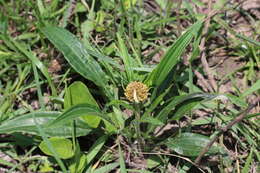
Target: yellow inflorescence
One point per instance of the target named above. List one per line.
(136, 92)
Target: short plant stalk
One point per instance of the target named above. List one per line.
(137, 127)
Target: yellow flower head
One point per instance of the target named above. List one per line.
(136, 92)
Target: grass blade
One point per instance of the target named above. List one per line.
(128, 61)
(39, 91)
(255, 87)
(37, 63)
(249, 159)
(106, 168)
(121, 160)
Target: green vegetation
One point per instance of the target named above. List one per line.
(102, 86)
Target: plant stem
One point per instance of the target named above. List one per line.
(137, 126)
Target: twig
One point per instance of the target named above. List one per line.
(204, 83)
(224, 129)
(202, 49)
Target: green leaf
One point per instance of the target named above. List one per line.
(78, 93)
(78, 166)
(76, 54)
(95, 148)
(26, 123)
(46, 167)
(138, 170)
(50, 147)
(151, 120)
(30, 55)
(117, 103)
(253, 88)
(127, 59)
(156, 102)
(3, 162)
(62, 146)
(78, 162)
(225, 25)
(184, 108)
(106, 168)
(237, 100)
(111, 128)
(180, 103)
(103, 58)
(249, 160)
(179, 106)
(190, 144)
(78, 111)
(172, 56)
(204, 120)
(129, 3)
(121, 160)
(3, 24)
(119, 117)
(153, 161)
(40, 7)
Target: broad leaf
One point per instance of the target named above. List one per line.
(78, 111)
(76, 54)
(182, 104)
(151, 120)
(28, 123)
(190, 144)
(62, 146)
(172, 56)
(156, 102)
(78, 93)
